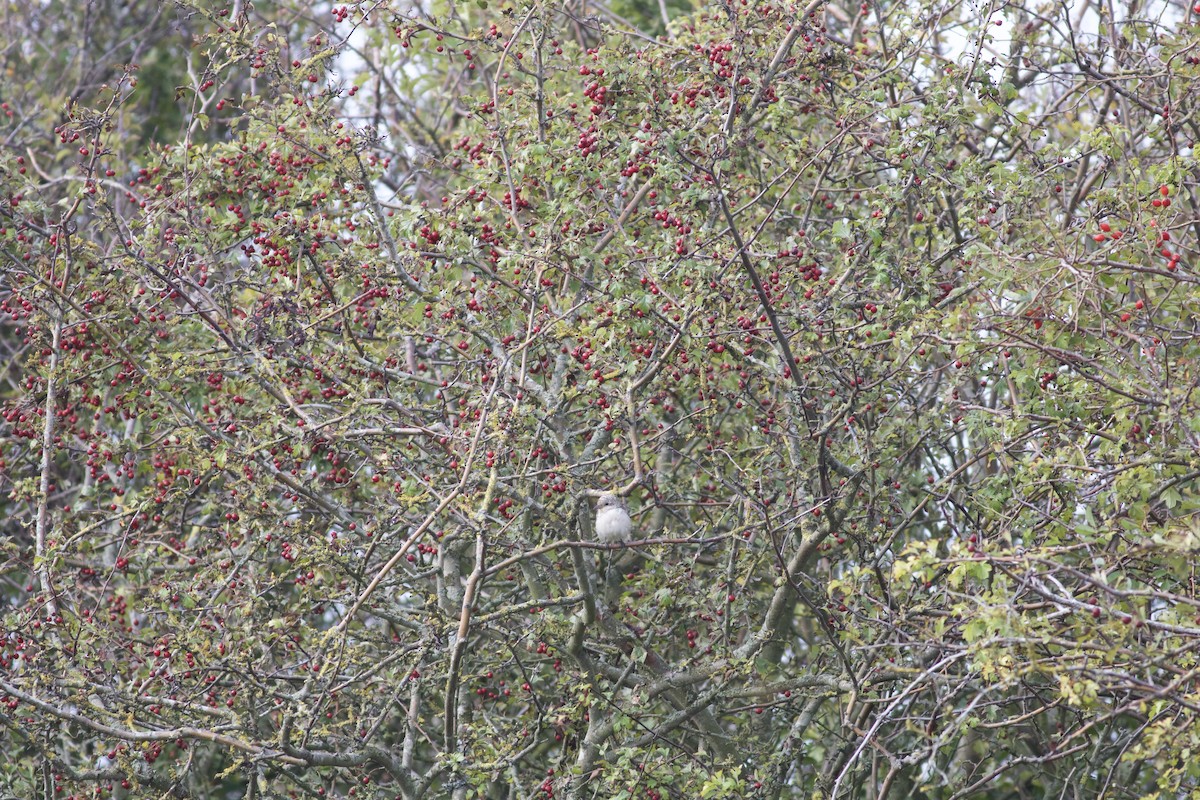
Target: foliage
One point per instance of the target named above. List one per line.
(323, 330)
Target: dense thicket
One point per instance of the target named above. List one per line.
(323, 327)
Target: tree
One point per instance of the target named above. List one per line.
(883, 317)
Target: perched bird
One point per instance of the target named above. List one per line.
(613, 525)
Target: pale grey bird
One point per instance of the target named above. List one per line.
(613, 525)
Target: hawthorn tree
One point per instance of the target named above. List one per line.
(324, 328)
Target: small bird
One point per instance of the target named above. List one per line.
(613, 525)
